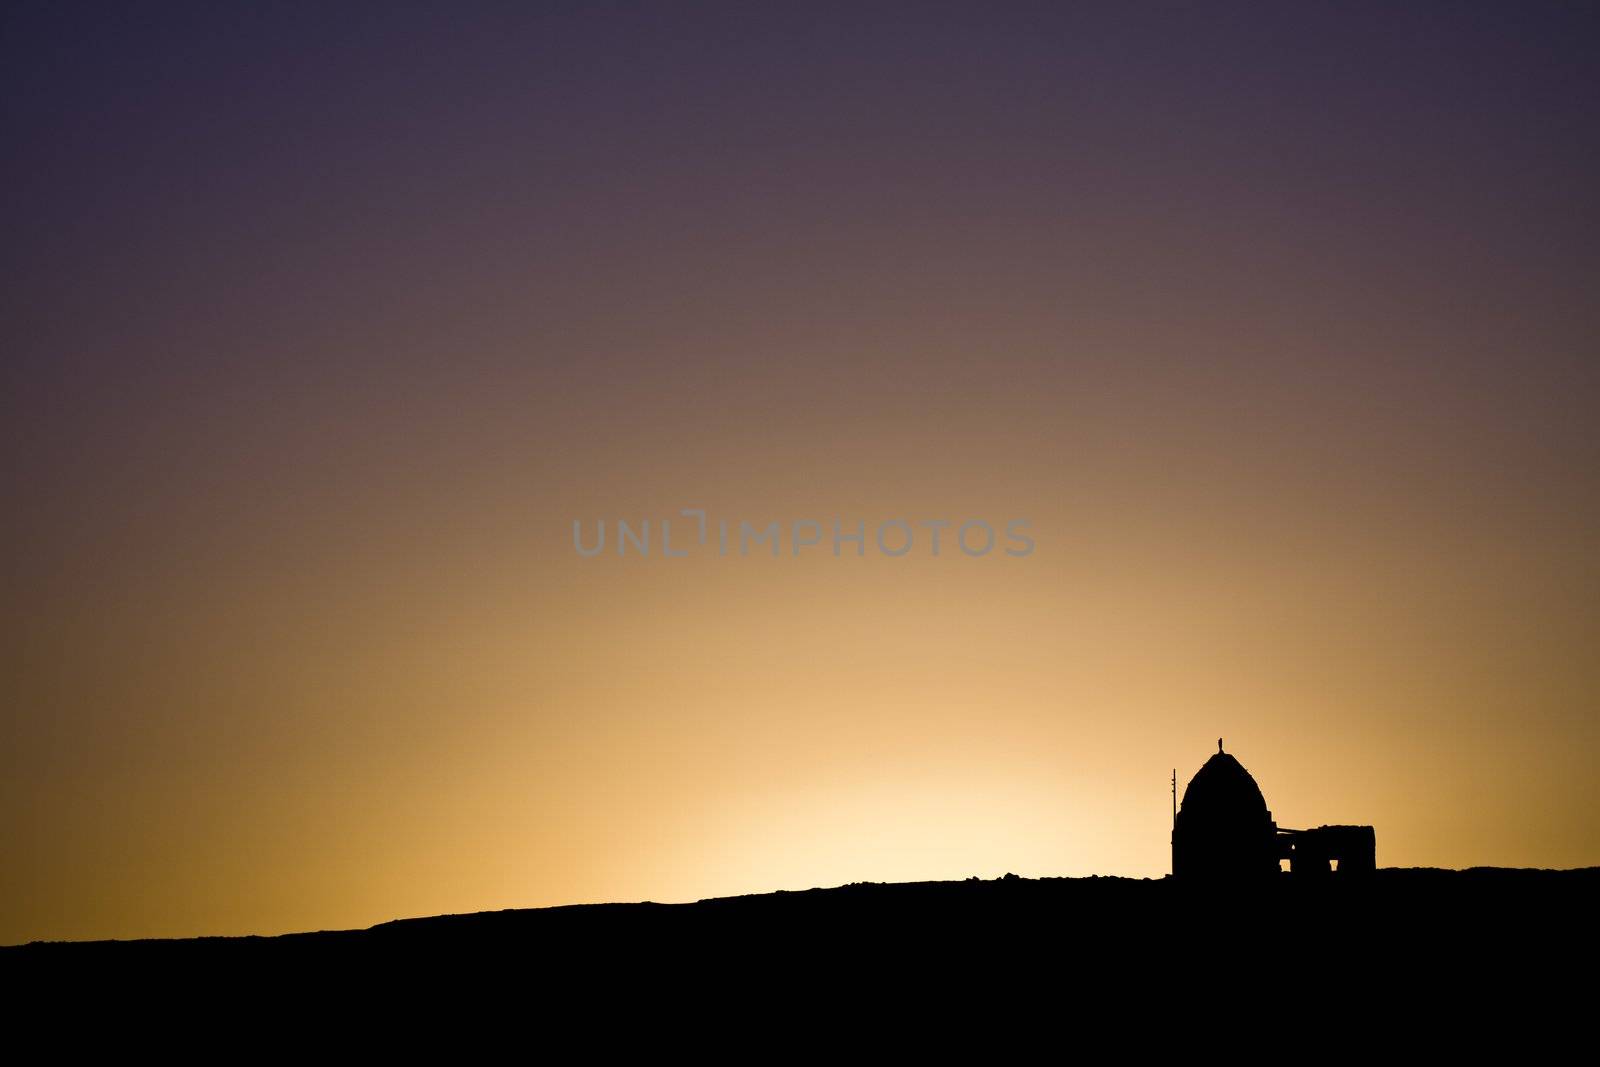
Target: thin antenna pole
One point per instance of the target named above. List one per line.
(1174, 822)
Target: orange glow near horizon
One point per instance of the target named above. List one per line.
(462, 714)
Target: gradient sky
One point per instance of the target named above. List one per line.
(320, 327)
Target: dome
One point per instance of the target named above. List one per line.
(1222, 790)
(1223, 829)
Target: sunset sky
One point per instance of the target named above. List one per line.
(323, 323)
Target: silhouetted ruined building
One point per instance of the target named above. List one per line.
(1224, 831)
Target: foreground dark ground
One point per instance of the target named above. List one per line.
(1426, 916)
(1423, 961)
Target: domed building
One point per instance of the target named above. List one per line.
(1225, 832)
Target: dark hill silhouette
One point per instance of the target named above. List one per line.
(1447, 958)
(1424, 915)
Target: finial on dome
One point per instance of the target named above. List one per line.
(1219, 746)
